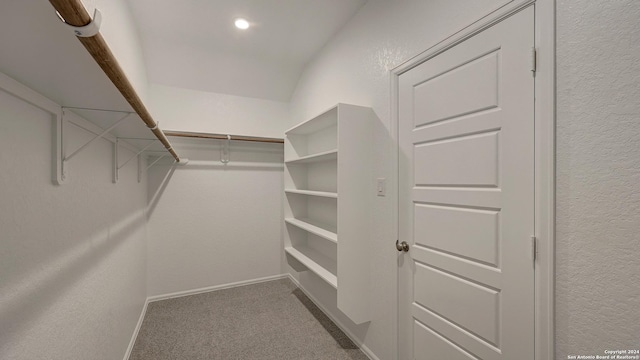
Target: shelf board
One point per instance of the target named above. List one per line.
(323, 156)
(312, 265)
(312, 193)
(314, 227)
(322, 121)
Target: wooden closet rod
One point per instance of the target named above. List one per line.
(223, 137)
(74, 14)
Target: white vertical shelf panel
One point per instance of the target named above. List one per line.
(348, 128)
(355, 191)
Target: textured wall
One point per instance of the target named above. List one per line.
(213, 224)
(598, 176)
(354, 68)
(72, 257)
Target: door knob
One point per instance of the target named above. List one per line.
(402, 246)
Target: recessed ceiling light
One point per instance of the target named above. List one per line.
(242, 24)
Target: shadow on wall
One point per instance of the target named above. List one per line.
(206, 154)
(24, 302)
(241, 154)
(157, 185)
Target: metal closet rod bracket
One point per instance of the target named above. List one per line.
(224, 152)
(116, 164)
(156, 161)
(62, 157)
(89, 30)
(182, 162)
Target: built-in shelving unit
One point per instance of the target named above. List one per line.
(328, 187)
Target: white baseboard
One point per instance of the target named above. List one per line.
(214, 288)
(344, 329)
(136, 331)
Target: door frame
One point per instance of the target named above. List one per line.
(545, 120)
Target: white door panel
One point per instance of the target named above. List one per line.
(476, 161)
(448, 295)
(474, 84)
(478, 240)
(429, 342)
(466, 191)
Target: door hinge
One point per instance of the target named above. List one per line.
(534, 248)
(533, 61)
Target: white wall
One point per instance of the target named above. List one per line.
(212, 224)
(72, 257)
(598, 177)
(201, 111)
(354, 68)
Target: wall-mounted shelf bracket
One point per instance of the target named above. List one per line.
(140, 165)
(22, 92)
(117, 167)
(156, 161)
(59, 176)
(182, 162)
(64, 159)
(74, 13)
(224, 152)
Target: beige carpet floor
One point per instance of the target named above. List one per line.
(270, 320)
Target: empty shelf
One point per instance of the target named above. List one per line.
(323, 156)
(322, 230)
(327, 119)
(312, 193)
(313, 266)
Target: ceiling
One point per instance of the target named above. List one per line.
(194, 44)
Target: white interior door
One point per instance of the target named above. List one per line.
(466, 137)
